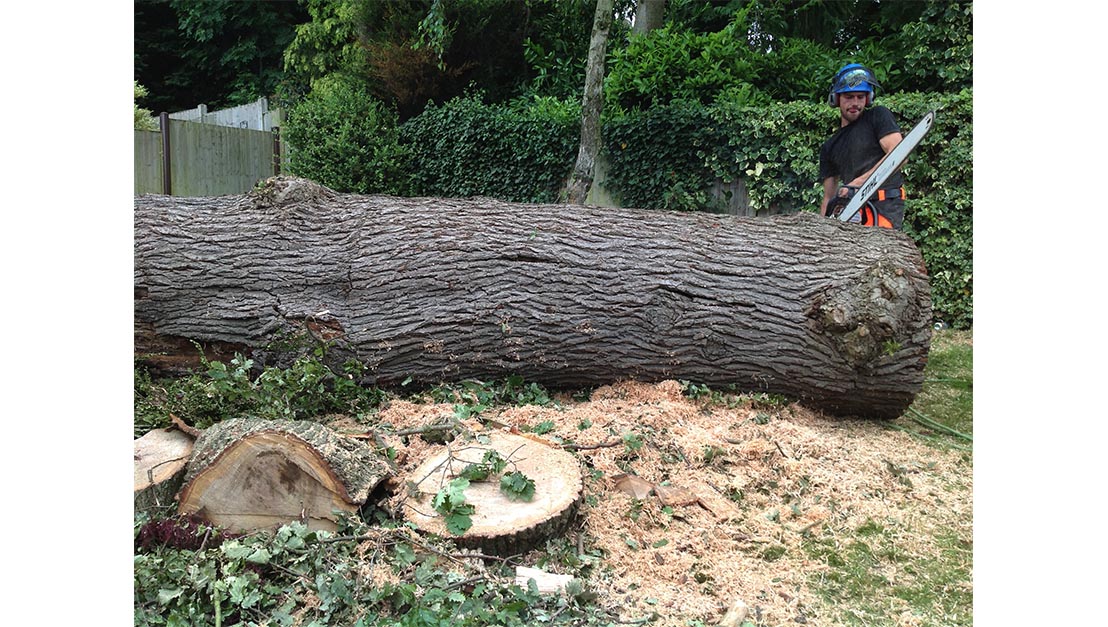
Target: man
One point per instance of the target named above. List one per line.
(866, 134)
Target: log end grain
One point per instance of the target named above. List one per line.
(160, 459)
(500, 525)
(249, 474)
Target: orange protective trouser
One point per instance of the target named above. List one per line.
(868, 212)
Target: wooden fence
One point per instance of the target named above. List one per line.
(195, 159)
(256, 115)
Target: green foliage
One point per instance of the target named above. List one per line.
(521, 152)
(655, 157)
(325, 44)
(478, 395)
(306, 389)
(492, 463)
(433, 31)
(144, 119)
(686, 146)
(936, 51)
(451, 503)
(798, 70)
(669, 64)
(341, 137)
(219, 52)
(517, 486)
(557, 49)
(296, 576)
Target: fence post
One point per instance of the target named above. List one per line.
(276, 130)
(167, 187)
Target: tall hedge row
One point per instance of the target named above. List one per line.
(516, 152)
(669, 157)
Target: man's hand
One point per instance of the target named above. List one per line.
(841, 199)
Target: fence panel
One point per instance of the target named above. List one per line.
(255, 115)
(209, 160)
(148, 162)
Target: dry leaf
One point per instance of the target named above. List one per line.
(633, 485)
(674, 496)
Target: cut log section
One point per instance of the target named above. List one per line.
(249, 474)
(428, 290)
(500, 525)
(160, 459)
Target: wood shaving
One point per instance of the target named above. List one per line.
(763, 480)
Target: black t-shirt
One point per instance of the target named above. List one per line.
(856, 147)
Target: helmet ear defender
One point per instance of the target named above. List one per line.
(833, 96)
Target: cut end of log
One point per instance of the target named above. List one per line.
(248, 474)
(500, 525)
(160, 459)
(874, 314)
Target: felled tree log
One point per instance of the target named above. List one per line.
(248, 474)
(500, 524)
(427, 290)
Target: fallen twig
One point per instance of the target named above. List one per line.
(588, 447)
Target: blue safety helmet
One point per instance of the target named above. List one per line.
(852, 77)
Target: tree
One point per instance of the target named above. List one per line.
(144, 121)
(412, 52)
(218, 52)
(649, 15)
(427, 290)
(591, 103)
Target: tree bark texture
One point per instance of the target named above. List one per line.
(592, 103)
(835, 315)
(649, 15)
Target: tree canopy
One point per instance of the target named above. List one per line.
(409, 53)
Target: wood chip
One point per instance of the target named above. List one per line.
(548, 583)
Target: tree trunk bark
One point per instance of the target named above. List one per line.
(431, 289)
(649, 15)
(591, 105)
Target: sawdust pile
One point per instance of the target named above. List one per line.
(727, 496)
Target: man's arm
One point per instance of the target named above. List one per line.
(830, 188)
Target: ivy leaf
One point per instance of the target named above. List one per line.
(165, 595)
(259, 556)
(517, 486)
(458, 523)
(450, 502)
(236, 550)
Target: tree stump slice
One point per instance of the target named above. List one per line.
(248, 474)
(500, 525)
(160, 459)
